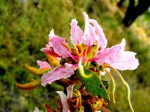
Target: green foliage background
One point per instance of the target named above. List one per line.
(24, 29)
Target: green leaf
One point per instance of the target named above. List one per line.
(43, 109)
(93, 83)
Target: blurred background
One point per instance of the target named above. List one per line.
(24, 29)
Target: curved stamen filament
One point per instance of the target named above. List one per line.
(81, 70)
(79, 49)
(75, 52)
(113, 85)
(125, 83)
(66, 46)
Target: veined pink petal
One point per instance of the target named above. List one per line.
(76, 32)
(63, 98)
(48, 50)
(93, 33)
(117, 57)
(86, 19)
(127, 61)
(56, 43)
(102, 41)
(43, 65)
(89, 37)
(86, 36)
(108, 55)
(57, 73)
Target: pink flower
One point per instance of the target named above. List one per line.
(117, 58)
(58, 48)
(92, 35)
(114, 56)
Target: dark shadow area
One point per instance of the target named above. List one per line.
(133, 11)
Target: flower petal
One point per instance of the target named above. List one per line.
(127, 61)
(63, 98)
(93, 33)
(76, 32)
(57, 73)
(89, 32)
(43, 65)
(117, 57)
(49, 52)
(102, 41)
(57, 44)
(87, 38)
(108, 55)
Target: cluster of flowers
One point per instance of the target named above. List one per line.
(82, 64)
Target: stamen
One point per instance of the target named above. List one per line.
(75, 47)
(73, 51)
(87, 50)
(113, 86)
(79, 48)
(125, 83)
(66, 46)
(81, 70)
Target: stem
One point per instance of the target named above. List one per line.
(99, 74)
(113, 86)
(79, 104)
(125, 83)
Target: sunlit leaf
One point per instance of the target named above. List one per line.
(93, 84)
